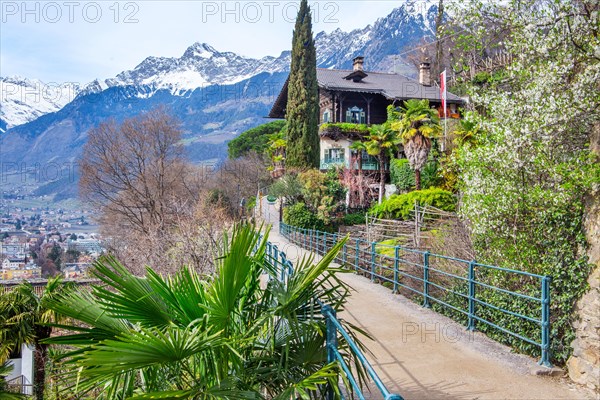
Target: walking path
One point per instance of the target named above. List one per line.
(423, 355)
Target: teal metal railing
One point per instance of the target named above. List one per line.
(334, 329)
(453, 283)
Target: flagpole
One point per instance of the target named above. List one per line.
(443, 96)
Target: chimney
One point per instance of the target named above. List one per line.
(425, 72)
(358, 63)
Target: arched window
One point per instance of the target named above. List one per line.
(355, 115)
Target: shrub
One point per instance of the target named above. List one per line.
(400, 206)
(354, 219)
(404, 177)
(346, 127)
(300, 216)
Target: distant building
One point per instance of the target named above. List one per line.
(12, 249)
(13, 263)
(85, 246)
(19, 269)
(75, 270)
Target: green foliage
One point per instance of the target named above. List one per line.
(303, 96)
(186, 336)
(484, 78)
(322, 192)
(26, 319)
(416, 118)
(358, 218)
(287, 187)
(255, 139)
(251, 203)
(299, 215)
(400, 206)
(404, 177)
(417, 124)
(525, 182)
(346, 127)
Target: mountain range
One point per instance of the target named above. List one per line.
(216, 95)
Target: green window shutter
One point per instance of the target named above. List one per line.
(348, 116)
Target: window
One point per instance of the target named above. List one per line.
(355, 115)
(334, 155)
(326, 116)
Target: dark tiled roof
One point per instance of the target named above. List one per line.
(392, 86)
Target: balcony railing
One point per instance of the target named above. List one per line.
(341, 162)
(329, 162)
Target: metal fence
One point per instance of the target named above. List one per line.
(334, 329)
(19, 385)
(462, 288)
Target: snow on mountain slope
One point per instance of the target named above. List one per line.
(23, 100)
(202, 65)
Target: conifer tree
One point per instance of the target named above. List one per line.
(303, 96)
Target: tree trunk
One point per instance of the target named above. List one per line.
(381, 179)
(417, 179)
(39, 374)
(359, 159)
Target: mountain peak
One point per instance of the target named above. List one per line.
(200, 50)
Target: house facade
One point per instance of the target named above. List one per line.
(361, 98)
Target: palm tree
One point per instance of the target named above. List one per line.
(186, 336)
(418, 125)
(381, 143)
(24, 320)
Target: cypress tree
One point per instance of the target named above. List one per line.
(303, 96)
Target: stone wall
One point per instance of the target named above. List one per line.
(584, 364)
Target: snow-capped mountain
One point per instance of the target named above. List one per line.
(202, 65)
(215, 94)
(23, 100)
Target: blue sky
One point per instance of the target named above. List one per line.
(78, 41)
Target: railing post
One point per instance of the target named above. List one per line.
(373, 261)
(283, 265)
(330, 340)
(545, 360)
(396, 266)
(276, 256)
(317, 241)
(471, 325)
(334, 242)
(324, 243)
(357, 261)
(310, 240)
(426, 280)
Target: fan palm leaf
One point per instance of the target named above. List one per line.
(213, 337)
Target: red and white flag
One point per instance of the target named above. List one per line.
(443, 93)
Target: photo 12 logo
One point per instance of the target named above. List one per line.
(37, 92)
(53, 12)
(266, 11)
